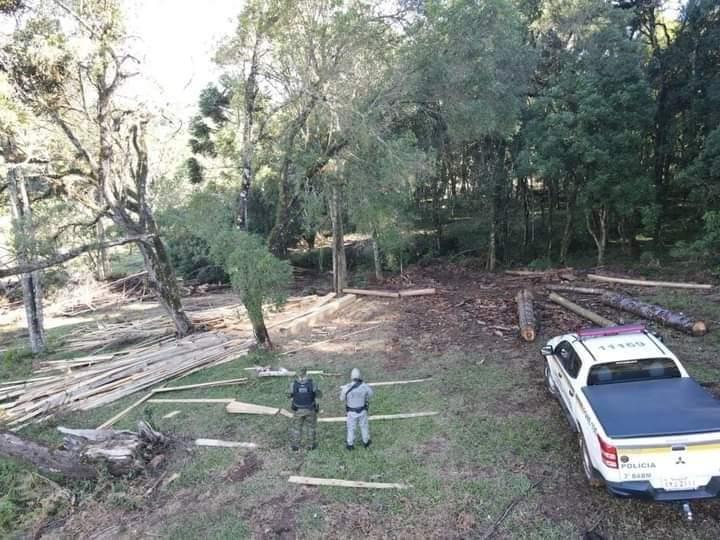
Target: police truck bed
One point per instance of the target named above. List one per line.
(664, 407)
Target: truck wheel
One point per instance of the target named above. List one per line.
(593, 477)
(549, 382)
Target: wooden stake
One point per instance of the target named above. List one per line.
(310, 481)
(191, 400)
(122, 413)
(648, 283)
(212, 384)
(224, 444)
(579, 310)
(381, 416)
(389, 383)
(526, 315)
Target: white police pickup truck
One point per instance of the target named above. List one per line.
(646, 428)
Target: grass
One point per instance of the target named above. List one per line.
(499, 441)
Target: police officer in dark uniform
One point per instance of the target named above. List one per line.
(304, 394)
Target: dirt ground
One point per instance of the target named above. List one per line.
(500, 462)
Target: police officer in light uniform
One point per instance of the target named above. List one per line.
(356, 396)
(304, 393)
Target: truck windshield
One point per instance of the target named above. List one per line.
(633, 370)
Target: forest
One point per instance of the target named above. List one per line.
(442, 144)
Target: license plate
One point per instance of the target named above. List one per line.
(676, 484)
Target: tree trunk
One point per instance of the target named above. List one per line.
(162, 280)
(569, 218)
(376, 257)
(338, 241)
(579, 310)
(262, 337)
(86, 452)
(25, 246)
(526, 315)
(679, 321)
(248, 151)
(598, 219)
(102, 266)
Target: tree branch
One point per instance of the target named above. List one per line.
(60, 258)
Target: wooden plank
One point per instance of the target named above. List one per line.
(122, 413)
(649, 283)
(390, 383)
(191, 400)
(579, 310)
(170, 415)
(311, 481)
(382, 416)
(224, 444)
(211, 384)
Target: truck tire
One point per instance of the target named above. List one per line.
(549, 382)
(594, 478)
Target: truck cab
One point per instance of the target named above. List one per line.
(645, 427)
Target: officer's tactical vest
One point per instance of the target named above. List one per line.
(304, 394)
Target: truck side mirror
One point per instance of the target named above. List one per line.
(547, 350)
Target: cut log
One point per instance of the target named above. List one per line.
(392, 294)
(649, 283)
(526, 315)
(390, 383)
(238, 407)
(382, 416)
(368, 292)
(224, 444)
(212, 384)
(653, 312)
(416, 292)
(579, 310)
(578, 290)
(310, 481)
(85, 452)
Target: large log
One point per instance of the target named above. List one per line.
(579, 310)
(653, 312)
(649, 283)
(86, 452)
(526, 315)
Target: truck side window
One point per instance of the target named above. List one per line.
(569, 359)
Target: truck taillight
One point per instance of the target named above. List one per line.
(609, 453)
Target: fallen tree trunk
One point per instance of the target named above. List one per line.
(86, 452)
(578, 290)
(679, 321)
(648, 283)
(579, 310)
(526, 315)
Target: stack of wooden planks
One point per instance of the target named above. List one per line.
(103, 382)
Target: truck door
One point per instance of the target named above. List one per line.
(567, 368)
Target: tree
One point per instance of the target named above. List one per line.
(75, 89)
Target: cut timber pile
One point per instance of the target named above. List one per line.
(660, 314)
(648, 283)
(85, 452)
(526, 315)
(100, 384)
(579, 310)
(100, 379)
